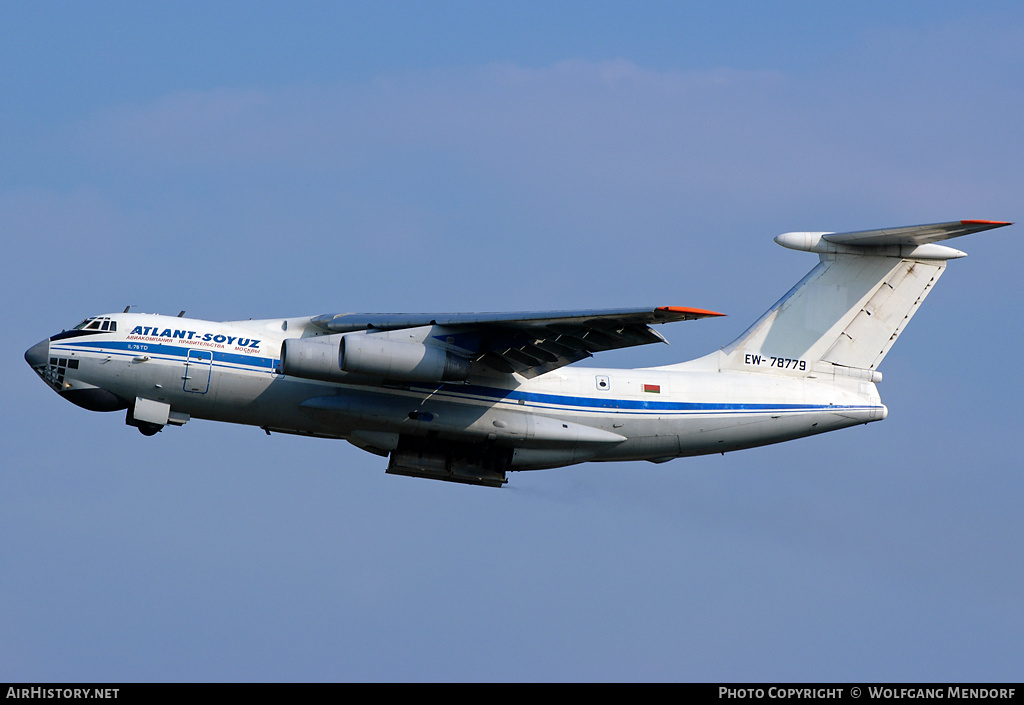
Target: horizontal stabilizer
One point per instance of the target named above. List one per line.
(913, 241)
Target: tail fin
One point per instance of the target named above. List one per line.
(845, 315)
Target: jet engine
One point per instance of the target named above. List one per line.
(332, 357)
(380, 357)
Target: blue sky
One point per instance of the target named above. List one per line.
(243, 160)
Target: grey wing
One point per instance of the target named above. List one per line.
(527, 343)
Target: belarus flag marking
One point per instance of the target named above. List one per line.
(653, 388)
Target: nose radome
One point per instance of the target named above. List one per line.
(39, 354)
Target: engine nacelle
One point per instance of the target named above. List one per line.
(332, 357)
(312, 358)
(377, 356)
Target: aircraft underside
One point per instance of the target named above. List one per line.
(461, 433)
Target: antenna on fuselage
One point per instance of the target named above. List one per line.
(127, 308)
(180, 314)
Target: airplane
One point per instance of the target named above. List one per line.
(470, 397)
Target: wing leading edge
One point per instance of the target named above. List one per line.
(528, 343)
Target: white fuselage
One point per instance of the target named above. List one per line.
(230, 372)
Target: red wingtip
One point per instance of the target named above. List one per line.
(687, 309)
(985, 222)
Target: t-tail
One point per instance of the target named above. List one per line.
(844, 316)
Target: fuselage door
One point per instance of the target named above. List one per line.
(197, 371)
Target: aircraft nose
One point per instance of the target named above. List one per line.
(39, 354)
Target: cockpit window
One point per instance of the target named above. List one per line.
(97, 323)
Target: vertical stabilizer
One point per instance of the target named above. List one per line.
(845, 315)
(848, 311)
